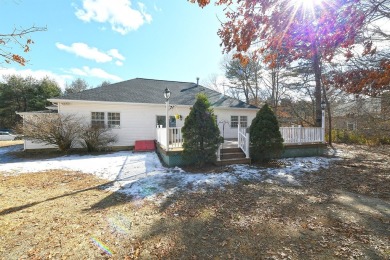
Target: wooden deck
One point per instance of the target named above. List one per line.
(228, 143)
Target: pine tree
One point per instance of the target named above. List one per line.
(265, 137)
(201, 133)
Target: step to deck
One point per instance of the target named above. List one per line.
(232, 155)
(231, 150)
(233, 161)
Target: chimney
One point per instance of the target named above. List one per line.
(197, 81)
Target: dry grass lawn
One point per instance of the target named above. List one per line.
(9, 143)
(338, 213)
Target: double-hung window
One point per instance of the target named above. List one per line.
(97, 119)
(113, 120)
(243, 121)
(235, 120)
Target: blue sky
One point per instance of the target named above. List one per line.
(116, 40)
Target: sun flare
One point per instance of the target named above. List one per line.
(306, 6)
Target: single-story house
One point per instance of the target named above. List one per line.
(135, 108)
(358, 114)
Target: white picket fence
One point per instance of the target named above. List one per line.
(302, 135)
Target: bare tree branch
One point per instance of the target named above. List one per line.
(17, 38)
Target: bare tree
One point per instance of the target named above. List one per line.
(104, 83)
(213, 82)
(53, 129)
(244, 78)
(95, 138)
(76, 86)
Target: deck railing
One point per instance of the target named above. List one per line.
(301, 135)
(175, 138)
(243, 140)
(291, 135)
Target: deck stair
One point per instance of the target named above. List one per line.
(233, 156)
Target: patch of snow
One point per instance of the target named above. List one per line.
(141, 175)
(4, 153)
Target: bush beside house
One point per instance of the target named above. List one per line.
(265, 138)
(201, 133)
(65, 132)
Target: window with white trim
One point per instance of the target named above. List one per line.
(351, 126)
(113, 120)
(97, 119)
(243, 121)
(233, 121)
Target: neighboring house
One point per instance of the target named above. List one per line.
(136, 107)
(358, 114)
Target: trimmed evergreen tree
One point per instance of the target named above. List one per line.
(265, 137)
(201, 133)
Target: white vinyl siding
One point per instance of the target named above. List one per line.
(139, 121)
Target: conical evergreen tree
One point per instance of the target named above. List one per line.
(201, 133)
(265, 137)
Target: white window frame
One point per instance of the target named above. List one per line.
(234, 123)
(97, 121)
(243, 123)
(351, 124)
(113, 122)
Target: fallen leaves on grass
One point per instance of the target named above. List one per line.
(337, 213)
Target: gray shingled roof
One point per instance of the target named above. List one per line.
(151, 91)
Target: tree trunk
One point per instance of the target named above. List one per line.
(329, 115)
(317, 92)
(273, 87)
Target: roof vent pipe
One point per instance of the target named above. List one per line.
(197, 81)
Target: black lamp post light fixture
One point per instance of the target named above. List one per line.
(167, 94)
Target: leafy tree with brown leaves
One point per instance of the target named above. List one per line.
(294, 30)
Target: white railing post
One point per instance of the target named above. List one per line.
(247, 145)
(239, 143)
(299, 134)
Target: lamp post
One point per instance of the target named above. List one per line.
(167, 95)
(323, 105)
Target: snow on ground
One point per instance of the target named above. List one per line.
(142, 175)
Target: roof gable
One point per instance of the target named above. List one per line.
(150, 91)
